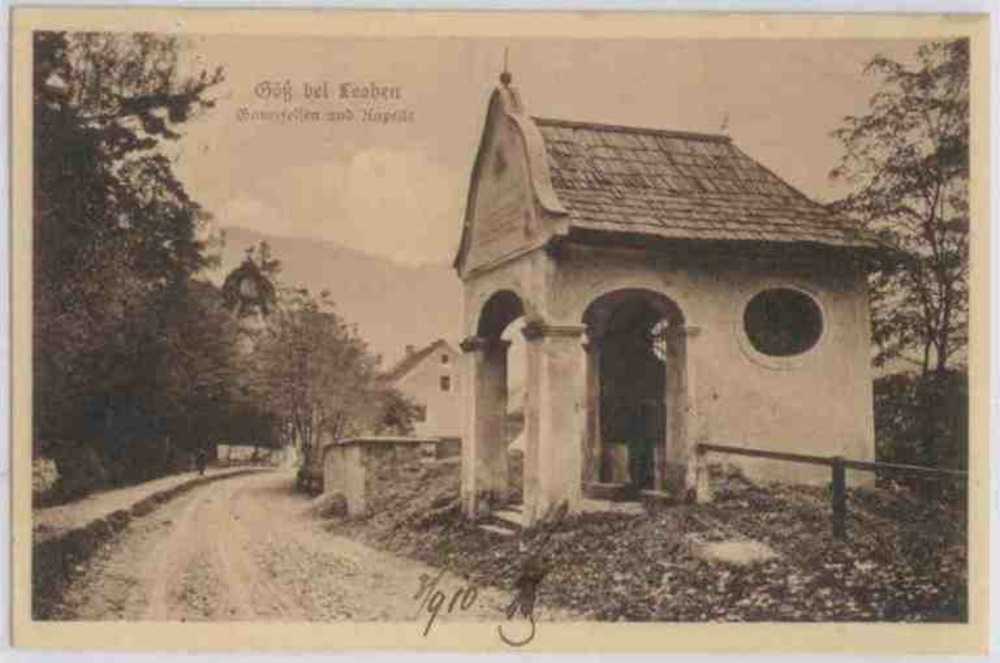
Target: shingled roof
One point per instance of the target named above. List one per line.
(411, 360)
(681, 185)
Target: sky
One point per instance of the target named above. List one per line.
(397, 190)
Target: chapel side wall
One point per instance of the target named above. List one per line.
(818, 403)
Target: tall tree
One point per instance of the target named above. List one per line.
(199, 373)
(315, 373)
(908, 159)
(115, 233)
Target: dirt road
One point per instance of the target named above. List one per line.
(247, 548)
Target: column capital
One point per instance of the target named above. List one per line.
(537, 329)
(482, 344)
(472, 344)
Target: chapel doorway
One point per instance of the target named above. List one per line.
(635, 384)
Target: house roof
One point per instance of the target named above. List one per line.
(412, 360)
(681, 185)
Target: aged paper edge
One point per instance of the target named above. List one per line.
(645, 637)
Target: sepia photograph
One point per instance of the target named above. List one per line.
(504, 330)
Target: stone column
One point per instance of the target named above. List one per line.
(556, 426)
(472, 358)
(492, 467)
(696, 474)
(680, 407)
(593, 448)
(484, 426)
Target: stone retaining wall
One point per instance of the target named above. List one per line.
(359, 468)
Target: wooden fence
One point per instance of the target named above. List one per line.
(838, 466)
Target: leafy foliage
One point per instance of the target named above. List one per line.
(908, 158)
(900, 433)
(115, 247)
(138, 363)
(396, 413)
(318, 378)
(250, 286)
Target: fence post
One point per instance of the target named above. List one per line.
(839, 499)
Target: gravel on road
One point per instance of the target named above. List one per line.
(247, 548)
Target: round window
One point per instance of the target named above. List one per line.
(782, 322)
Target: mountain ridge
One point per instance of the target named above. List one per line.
(391, 304)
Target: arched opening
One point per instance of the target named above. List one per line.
(635, 394)
(500, 399)
(502, 308)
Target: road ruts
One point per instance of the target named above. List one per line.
(247, 549)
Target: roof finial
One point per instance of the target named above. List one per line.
(724, 128)
(505, 77)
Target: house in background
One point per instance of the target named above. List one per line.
(429, 376)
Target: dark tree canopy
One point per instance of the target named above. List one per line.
(139, 360)
(249, 287)
(115, 235)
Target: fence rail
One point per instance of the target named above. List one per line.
(838, 466)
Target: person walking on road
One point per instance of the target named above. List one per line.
(201, 460)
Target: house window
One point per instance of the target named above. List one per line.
(444, 359)
(781, 322)
(421, 414)
(445, 383)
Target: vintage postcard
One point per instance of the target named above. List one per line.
(499, 331)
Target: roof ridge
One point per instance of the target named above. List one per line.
(410, 361)
(671, 133)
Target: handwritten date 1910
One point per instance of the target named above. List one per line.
(433, 599)
(532, 571)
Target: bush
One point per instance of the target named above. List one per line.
(80, 469)
(922, 420)
(44, 477)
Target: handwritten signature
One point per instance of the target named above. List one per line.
(533, 570)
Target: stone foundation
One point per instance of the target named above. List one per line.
(359, 468)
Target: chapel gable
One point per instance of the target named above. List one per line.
(510, 189)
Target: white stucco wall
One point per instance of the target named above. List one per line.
(423, 385)
(819, 402)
